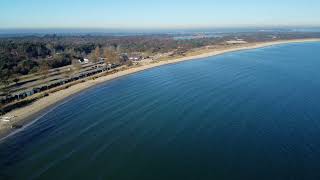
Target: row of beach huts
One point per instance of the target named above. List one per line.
(54, 84)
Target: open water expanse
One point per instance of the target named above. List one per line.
(251, 114)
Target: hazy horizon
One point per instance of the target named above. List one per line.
(143, 14)
(114, 31)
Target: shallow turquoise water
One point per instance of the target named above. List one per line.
(245, 115)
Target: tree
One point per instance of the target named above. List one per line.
(60, 60)
(16, 79)
(25, 66)
(110, 56)
(77, 66)
(51, 48)
(2, 111)
(5, 76)
(44, 70)
(5, 87)
(130, 63)
(96, 54)
(69, 72)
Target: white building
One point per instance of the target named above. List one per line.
(83, 61)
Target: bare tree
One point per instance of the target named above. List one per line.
(5, 87)
(44, 70)
(15, 78)
(69, 72)
(96, 54)
(51, 48)
(77, 67)
(2, 109)
(110, 56)
(5, 77)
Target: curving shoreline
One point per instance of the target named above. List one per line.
(29, 114)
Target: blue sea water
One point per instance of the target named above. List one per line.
(251, 114)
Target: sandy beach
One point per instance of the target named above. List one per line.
(29, 113)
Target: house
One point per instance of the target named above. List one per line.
(83, 61)
(135, 58)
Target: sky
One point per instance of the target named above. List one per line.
(157, 14)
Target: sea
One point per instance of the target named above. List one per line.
(252, 114)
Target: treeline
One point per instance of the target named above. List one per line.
(25, 55)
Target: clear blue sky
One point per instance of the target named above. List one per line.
(157, 14)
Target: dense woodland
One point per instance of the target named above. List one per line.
(21, 56)
(25, 55)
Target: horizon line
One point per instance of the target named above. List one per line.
(170, 27)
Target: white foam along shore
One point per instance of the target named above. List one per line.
(23, 115)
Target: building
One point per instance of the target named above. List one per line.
(83, 61)
(135, 58)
